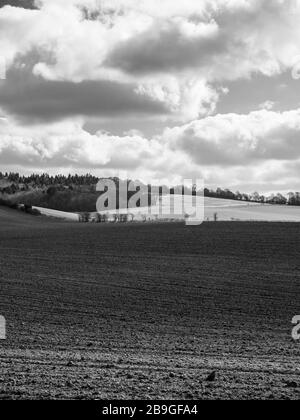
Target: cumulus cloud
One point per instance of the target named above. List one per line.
(156, 43)
(234, 140)
(185, 100)
(168, 46)
(67, 147)
(222, 39)
(262, 147)
(165, 60)
(268, 105)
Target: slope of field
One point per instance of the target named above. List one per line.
(235, 210)
(74, 217)
(15, 219)
(226, 210)
(148, 311)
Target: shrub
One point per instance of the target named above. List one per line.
(33, 212)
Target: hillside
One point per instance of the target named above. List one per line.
(72, 202)
(13, 220)
(228, 210)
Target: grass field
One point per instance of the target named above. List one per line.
(229, 210)
(148, 311)
(226, 210)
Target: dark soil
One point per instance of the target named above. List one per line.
(134, 311)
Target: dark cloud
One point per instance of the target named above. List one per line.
(25, 4)
(32, 99)
(167, 49)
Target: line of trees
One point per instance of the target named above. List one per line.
(292, 199)
(45, 180)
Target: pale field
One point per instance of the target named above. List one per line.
(226, 210)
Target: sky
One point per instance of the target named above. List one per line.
(156, 89)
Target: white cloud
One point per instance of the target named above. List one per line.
(186, 99)
(268, 105)
(67, 145)
(238, 151)
(165, 58)
(235, 140)
(162, 43)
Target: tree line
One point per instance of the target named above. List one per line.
(45, 180)
(292, 198)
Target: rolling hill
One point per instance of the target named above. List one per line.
(242, 211)
(225, 210)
